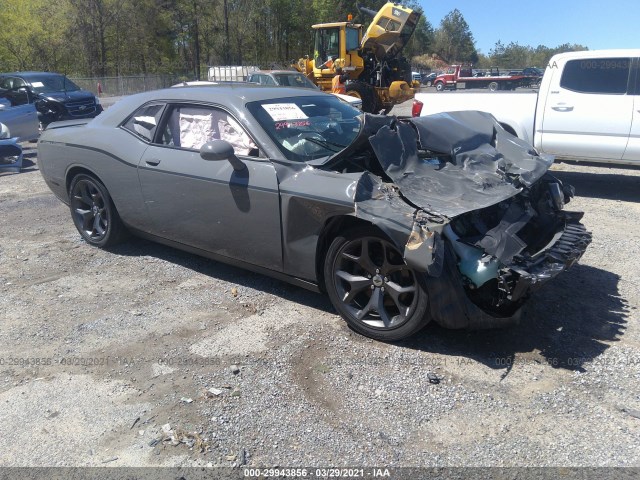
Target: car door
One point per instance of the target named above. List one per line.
(632, 152)
(208, 204)
(17, 110)
(588, 110)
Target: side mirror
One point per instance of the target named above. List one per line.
(221, 150)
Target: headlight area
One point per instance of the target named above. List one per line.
(505, 251)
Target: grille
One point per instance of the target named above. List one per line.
(81, 108)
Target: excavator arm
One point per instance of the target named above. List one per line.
(390, 30)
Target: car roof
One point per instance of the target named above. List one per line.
(31, 74)
(234, 96)
(613, 53)
(279, 72)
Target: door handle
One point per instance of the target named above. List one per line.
(562, 108)
(152, 161)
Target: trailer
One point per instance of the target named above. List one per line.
(230, 73)
(461, 76)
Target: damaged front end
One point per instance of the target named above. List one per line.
(472, 206)
(10, 151)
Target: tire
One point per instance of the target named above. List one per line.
(365, 93)
(94, 213)
(428, 83)
(439, 86)
(372, 287)
(493, 86)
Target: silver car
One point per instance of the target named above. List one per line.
(401, 221)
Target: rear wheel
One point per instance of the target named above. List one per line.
(93, 212)
(493, 86)
(373, 288)
(365, 93)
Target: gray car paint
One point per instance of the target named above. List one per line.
(216, 212)
(21, 120)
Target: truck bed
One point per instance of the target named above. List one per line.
(515, 111)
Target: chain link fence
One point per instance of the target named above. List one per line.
(119, 86)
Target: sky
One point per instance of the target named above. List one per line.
(595, 24)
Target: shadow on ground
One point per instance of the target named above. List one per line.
(221, 271)
(568, 322)
(559, 327)
(611, 186)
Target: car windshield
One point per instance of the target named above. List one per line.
(293, 80)
(308, 128)
(52, 83)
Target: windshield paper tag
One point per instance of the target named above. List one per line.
(37, 84)
(284, 111)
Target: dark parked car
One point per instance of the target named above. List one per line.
(428, 79)
(54, 95)
(400, 221)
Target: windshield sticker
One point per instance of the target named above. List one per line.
(37, 84)
(297, 123)
(284, 111)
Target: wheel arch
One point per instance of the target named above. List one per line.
(509, 129)
(76, 170)
(515, 128)
(331, 229)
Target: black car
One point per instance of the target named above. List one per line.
(54, 95)
(428, 79)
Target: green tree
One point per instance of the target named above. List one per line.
(454, 41)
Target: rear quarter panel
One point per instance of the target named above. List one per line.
(109, 153)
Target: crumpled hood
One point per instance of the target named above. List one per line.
(470, 162)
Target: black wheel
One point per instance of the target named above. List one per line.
(372, 287)
(493, 86)
(365, 93)
(440, 86)
(428, 84)
(93, 212)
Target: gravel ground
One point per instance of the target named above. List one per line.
(144, 355)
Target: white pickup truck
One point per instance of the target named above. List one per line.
(587, 108)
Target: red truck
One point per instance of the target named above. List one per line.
(461, 76)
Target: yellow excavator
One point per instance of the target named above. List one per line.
(377, 73)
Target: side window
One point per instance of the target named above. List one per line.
(596, 75)
(6, 83)
(352, 39)
(144, 122)
(269, 81)
(190, 127)
(19, 97)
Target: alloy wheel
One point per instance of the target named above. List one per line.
(90, 212)
(374, 284)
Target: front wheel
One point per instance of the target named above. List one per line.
(373, 288)
(93, 212)
(440, 87)
(493, 86)
(364, 92)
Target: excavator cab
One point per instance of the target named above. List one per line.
(336, 45)
(327, 47)
(379, 75)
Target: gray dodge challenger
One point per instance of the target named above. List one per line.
(400, 221)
